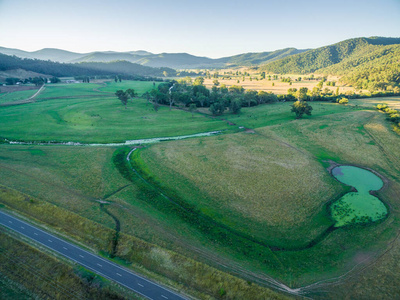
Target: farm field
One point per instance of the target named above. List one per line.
(253, 202)
(97, 118)
(275, 86)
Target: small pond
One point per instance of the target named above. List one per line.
(357, 207)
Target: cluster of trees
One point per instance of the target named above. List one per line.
(123, 96)
(185, 92)
(35, 80)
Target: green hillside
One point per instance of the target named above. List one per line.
(376, 70)
(321, 58)
(251, 59)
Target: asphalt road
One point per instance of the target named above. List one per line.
(90, 261)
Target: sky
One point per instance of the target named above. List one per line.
(215, 28)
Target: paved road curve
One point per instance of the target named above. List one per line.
(93, 262)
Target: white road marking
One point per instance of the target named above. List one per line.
(65, 248)
(81, 255)
(164, 296)
(119, 274)
(99, 265)
(22, 227)
(50, 241)
(10, 221)
(140, 285)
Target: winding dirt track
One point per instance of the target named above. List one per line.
(27, 100)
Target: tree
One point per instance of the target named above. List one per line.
(264, 97)
(217, 108)
(55, 80)
(192, 108)
(235, 106)
(122, 96)
(131, 93)
(250, 97)
(216, 82)
(315, 93)
(300, 108)
(343, 100)
(302, 94)
(198, 81)
(147, 96)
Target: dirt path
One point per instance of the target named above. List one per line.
(31, 99)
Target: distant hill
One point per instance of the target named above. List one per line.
(170, 60)
(254, 59)
(324, 57)
(51, 68)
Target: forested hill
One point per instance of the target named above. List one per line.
(375, 70)
(321, 58)
(79, 69)
(254, 59)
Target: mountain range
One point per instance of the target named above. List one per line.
(144, 58)
(362, 62)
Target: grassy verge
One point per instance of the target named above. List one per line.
(25, 272)
(179, 271)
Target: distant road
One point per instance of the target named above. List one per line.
(90, 261)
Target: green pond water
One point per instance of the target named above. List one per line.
(357, 207)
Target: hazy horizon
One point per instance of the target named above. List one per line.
(213, 29)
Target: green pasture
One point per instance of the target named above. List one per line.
(140, 87)
(279, 113)
(61, 90)
(252, 201)
(96, 119)
(15, 96)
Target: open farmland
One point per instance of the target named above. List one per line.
(275, 86)
(81, 113)
(252, 201)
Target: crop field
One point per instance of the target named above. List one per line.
(254, 203)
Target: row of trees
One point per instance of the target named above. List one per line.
(35, 80)
(393, 115)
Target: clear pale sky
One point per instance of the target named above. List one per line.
(207, 28)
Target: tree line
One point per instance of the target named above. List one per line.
(186, 92)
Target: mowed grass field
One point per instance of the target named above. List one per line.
(78, 113)
(266, 192)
